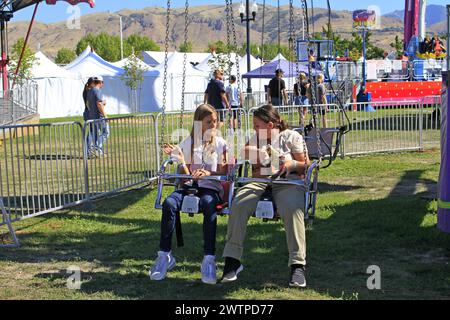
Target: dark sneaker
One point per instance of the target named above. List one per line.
(231, 270)
(298, 278)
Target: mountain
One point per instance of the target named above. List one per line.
(207, 24)
(435, 14)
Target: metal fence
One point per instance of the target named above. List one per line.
(384, 127)
(18, 103)
(41, 168)
(119, 153)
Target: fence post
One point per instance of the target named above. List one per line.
(88, 205)
(421, 114)
(7, 221)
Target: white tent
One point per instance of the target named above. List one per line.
(79, 58)
(196, 82)
(278, 57)
(115, 91)
(121, 64)
(154, 58)
(59, 90)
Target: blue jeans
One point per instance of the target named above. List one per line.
(98, 134)
(209, 199)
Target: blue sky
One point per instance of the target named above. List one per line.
(49, 14)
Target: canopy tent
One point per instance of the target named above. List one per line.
(154, 58)
(59, 90)
(196, 82)
(21, 4)
(82, 55)
(278, 58)
(115, 91)
(121, 64)
(290, 70)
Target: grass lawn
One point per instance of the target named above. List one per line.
(373, 210)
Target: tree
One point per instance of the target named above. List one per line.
(220, 61)
(397, 45)
(108, 46)
(186, 47)
(138, 43)
(65, 56)
(133, 77)
(28, 60)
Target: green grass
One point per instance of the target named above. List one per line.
(372, 210)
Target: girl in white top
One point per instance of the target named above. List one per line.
(201, 154)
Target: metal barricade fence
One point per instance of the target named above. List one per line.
(41, 168)
(384, 127)
(432, 106)
(120, 153)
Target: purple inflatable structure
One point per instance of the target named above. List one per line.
(444, 176)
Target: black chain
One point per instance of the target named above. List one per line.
(183, 85)
(166, 62)
(313, 84)
(227, 10)
(236, 56)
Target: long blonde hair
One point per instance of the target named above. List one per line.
(203, 111)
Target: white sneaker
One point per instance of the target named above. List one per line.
(209, 270)
(163, 263)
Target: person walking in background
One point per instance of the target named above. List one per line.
(300, 93)
(276, 91)
(99, 130)
(235, 98)
(88, 86)
(215, 94)
(322, 98)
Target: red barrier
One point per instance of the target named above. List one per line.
(403, 91)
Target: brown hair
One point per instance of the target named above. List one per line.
(268, 113)
(201, 113)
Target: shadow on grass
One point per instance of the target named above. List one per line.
(392, 233)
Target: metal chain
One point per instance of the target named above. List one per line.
(183, 85)
(238, 71)
(227, 10)
(166, 61)
(313, 84)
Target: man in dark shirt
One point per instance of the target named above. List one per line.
(215, 94)
(276, 91)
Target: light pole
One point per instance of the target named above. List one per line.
(244, 12)
(121, 38)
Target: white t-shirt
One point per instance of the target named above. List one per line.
(209, 158)
(233, 91)
(286, 144)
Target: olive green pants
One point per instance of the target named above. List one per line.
(290, 203)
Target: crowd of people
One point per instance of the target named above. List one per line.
(433, 46)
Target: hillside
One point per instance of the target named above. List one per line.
(208, 24)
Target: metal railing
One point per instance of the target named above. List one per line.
(119, 153)
(18, 103)
(41, 168)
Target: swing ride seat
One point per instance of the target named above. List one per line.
(227, 183)
(330, 143)
(309, 186)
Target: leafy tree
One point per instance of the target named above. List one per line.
(65, 56)
(28, 60)
(133, 77)
(220, 47)
(186, 47)
(397, 45)
(108, 46)
(138, 43)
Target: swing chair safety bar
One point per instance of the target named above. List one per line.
(301, 183)
(162, 176)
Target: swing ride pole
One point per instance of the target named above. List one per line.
(444, 176)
